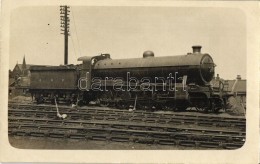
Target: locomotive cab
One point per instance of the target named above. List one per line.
(88, 63)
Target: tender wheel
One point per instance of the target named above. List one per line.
(122, 105)
(39, 100)
(144, 105)
(52, 101)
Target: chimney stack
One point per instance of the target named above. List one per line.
(239, 77)
(196, 49)
(217, 77)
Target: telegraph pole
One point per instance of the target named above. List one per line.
(64, 18)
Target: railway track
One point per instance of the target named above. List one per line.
(126, 133)
(124, 126)
(126, 116)
(132, 125)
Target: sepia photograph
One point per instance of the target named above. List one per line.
(127, 77)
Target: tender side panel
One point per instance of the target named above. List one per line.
(54, 79)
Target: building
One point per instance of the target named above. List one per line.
(19, 79)
(21, 70)
(234, 90)
(236, 87)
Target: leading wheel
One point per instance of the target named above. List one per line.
(105, 99)
(169, 106)
(104, 103)
(180, 108)
(201, 109)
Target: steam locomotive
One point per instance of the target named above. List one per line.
(169, 82)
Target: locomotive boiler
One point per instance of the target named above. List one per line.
(198, 67)
(171, 82)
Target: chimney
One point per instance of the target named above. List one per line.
(239, 77)
(196, 49)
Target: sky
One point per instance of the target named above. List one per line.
(126, 32)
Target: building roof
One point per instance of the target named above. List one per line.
(231, 86)
(215, 82)
(27, 66)
(240, 86)
(53, 68)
